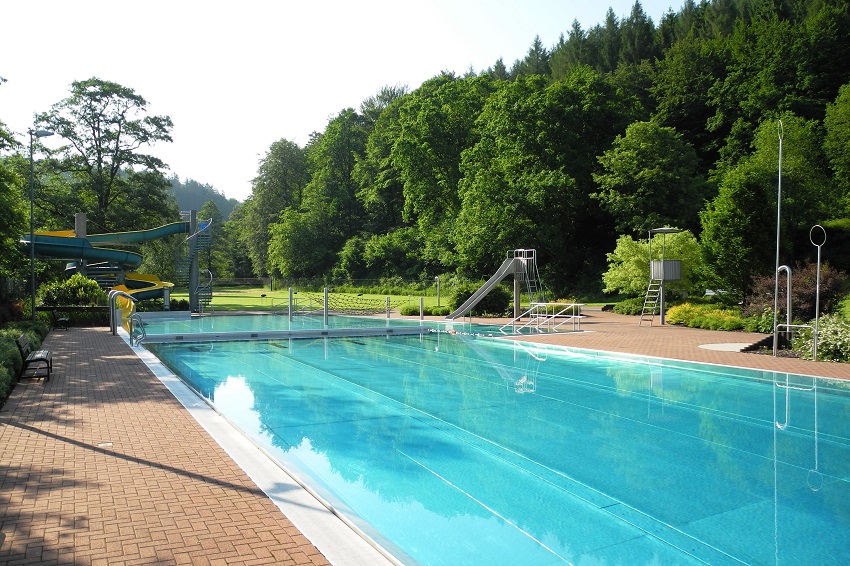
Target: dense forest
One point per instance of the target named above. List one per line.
(614, 130)
(193, 195)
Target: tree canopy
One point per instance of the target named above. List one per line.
(624, 126)
(103, 127)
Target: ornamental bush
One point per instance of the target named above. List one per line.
(413, 310)
(804, 293)
(76, 290)
(762, 323)
(633, 305)
(709, 317)
(833, 340)
(10, 356)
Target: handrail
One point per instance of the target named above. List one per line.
(539, 317)
(788, 386)
(113, 295)
(137, 322)
(207, 287)
(787, 270)
(199, 230)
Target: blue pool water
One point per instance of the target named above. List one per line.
(451, 449)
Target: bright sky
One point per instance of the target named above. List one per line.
(235, 77)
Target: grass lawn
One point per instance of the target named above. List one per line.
(261, 299)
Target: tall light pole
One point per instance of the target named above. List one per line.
(33, 134)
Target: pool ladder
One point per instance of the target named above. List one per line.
(137, 329)
(814, 479)
(788, 387)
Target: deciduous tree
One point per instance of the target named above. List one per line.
(739, 224)
(649, 179)
(105, 126)
(279, 184)
(628, 264)
(437, 124)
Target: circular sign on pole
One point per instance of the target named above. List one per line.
(820, 237)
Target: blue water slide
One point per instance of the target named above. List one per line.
(71, 249)
(139, 236)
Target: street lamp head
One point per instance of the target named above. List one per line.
(41, 133)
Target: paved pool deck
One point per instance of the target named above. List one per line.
(111, 462)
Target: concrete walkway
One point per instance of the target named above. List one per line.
(103, 465)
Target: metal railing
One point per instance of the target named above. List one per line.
(547, 317)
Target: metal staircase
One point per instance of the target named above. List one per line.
(530, 275)
(186, 261)
(181, 267)
(204, 293)
(651, 301)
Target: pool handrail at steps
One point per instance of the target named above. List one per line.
(543, 316)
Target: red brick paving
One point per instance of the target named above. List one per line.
(612, 332)
(102, 465)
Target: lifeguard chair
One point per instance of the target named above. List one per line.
(660, 271)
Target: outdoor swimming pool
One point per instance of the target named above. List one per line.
(451, 449)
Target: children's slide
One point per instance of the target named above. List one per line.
(508, 267)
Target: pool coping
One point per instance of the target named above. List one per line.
(282, 334)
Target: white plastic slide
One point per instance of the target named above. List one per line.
(509, 267)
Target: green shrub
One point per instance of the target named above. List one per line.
(7, 380)
(708, 317)
(684, 313)
(76, 290)
(629, 306)
(179, 305)
(762, 323)
(833, 340)
(409, 310)
(413, 310)
(9, 354)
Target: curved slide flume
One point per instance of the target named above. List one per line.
(64, 245)
(72, 249)
(139, 236)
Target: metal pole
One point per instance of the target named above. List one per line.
(437, 279)
(33, 134)
(663, 252)
(817, 311)
(326, 307)
(817, 290)
(290, 306)
(194, 282)
(32, 242)
(778, 217)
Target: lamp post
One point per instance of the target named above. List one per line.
(33, 134)
(437, 279)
